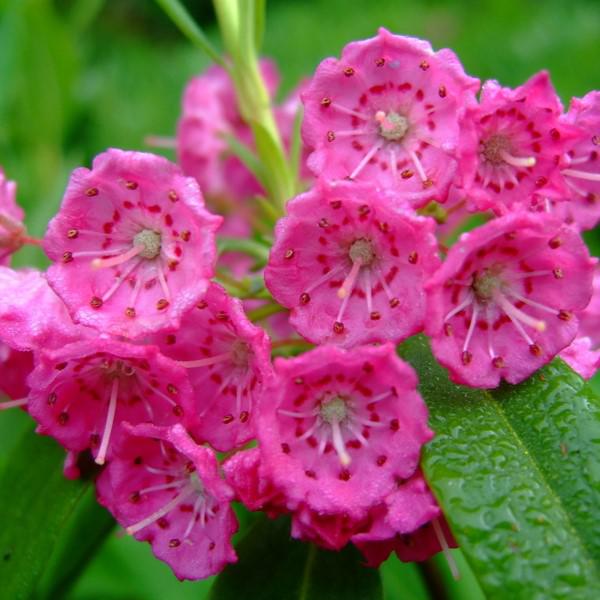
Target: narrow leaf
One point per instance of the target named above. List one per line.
(36, 504)
(272, 566)
(497, 479)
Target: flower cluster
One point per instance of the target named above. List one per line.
(133, 347)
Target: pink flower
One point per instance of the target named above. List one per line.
(165, 489)
(581, 168)
(387, 112)
(228, 360)
(503, 303)
(589, 317)
(12, 228)
(581, 357)
(351, 266)
(337, 428)
(406, 510)
(133, 246)
(15, 367)
(81, 394)
(32, 316)
(210, 113)
(511, 144)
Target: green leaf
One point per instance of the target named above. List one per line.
(517, 473)
(37, 504)
(272, 566)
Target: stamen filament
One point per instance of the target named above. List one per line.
(418, 165)
(338, 443)
(110, 419)
(533, 303)
(348, 284)
(325, 278)
(297, 415)
(466, 302)
(368, 290)
(472, 324)
(161, 512)
(348, 111)
(192, 520)
(581, 174)
(439, 534)
(163, 280)
(13, 403)
(367, 157)
(514, 312)
(205, 362)
(117, 284)
(163, 486)
(517, 161)
(103, 263)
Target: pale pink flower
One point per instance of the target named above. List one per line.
(12, 229)
(387, 112)
(133, 246)
(504, 302)
(581, 164)
(210, 113)
(351, 266)
(511, 144)
(228, 360)
(166, 489)
(581, 357)
(82, 393)
(337, 429)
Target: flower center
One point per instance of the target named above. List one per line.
(494, 147)
(333, 410)
(361, 251)
(392, 126)
(486, 283)
(151, 242)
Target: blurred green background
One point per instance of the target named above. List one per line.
(79, 76)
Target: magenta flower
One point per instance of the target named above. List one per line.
(12, 228)
(15, 367)
(133, 246)
(351, 266)
(166, 490)
(405, 511)
(504, 302)
(581, 357)
(82, 393)
(581, 168)
(228, 360)
(210, 113)
(511, 144)
(338, 428)
(387, 112)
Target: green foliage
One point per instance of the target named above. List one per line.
(517, 472)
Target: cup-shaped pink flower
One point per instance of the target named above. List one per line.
(12, 228)
(581, 163)
(503, 303)
(228, 360)
(351, 266)
(210, 113)
(338, 428)
(82, 393)
(166, 489)
(511, 144)
(387, 112)
(133, 246)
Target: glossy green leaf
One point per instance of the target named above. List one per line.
(37, 504)
(517, 473)
(272, 566)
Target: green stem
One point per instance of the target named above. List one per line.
(246, 246)
(182, 19)
(263, 312)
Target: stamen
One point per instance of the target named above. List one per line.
(163, 281)
(86, 253)
(199, 501)
(13, 403)
(205, 362)
(110, 419)
(342, 310)
(308, 432)
(103, 263)
(393, 162)
(350, 281)
(358, 434)
(581, 174)
(297, 415)
(528, 274)
(348, 111)
(533, 303)
(368, 156)
(368, 290)
(117, 284)
(380, 397)
(490, 323)
(514, 312)
(163, 486)
(238, 398)
(338, 443)
(325, 278)
(517, 161)
(351, 132)
(439, 534)
(466, 302)
(472, 324)
(579, 160)
(418, 165)
(161, 512)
